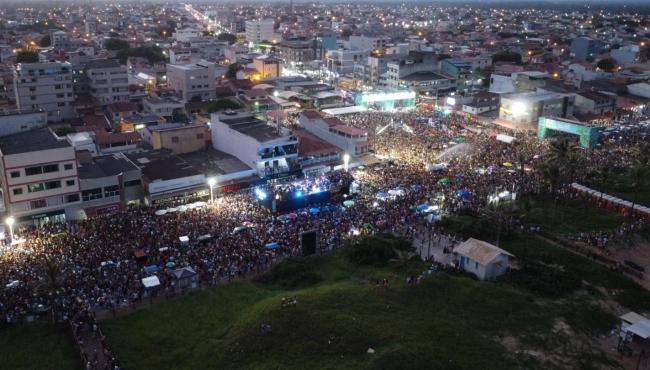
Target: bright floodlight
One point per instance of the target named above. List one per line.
(261, 195)
(212, 182)
(451, 101)
(346, 161)
(276, 93)
(10, 220)
(518, 108)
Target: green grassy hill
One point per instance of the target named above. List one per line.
(448, 321)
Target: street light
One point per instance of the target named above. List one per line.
(212, 182)
(346, 161)
(10, 222)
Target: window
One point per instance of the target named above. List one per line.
(15, 174)
(175, 139)
(132, 183)
(71, 198)
(30, 171)
(50, 168)
(17, 191)
(67, 166)
(33, 188)
(40, 203)
(69, 183)
(52, 185)
(111, 191)
(91, 194)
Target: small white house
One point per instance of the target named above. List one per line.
(482, 259)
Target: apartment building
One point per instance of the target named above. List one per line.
(46, 86)
(108, 81)
(271, 151)
(260, 30)
(195, 80)
(38, 176)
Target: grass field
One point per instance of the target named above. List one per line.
(570, 217)
(447, 322)
(618, 185)
(38, 346)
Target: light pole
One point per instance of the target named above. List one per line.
(10, 222)
(346, 161)
(212, 182)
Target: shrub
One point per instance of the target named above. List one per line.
(377, 249)
(291, 274)
(544, 280)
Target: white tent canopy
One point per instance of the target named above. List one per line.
(344, 110)
(151, 281)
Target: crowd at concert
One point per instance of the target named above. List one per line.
(98, 264)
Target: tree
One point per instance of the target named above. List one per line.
(54, 277)
(152, 53)
(227, 37)
(552, 174)
(232, 70)
(606, 65)
(25, 56)
(45, 41)
(559, 151)
(116, 44)
(507, 56)
(638, 176)
(223, 104)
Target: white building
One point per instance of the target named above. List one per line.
(268, 149)
(46, 86)
(192, 80)
(39, 176)
(108, 81)
(342, 61)
(17, 121)
(164, 107)
(524, 109)
(482, 259)
(186, 34)
(332, 130)
(368, 42)
(268, 67)
(260, 30)
(625, 54)
(60, 40)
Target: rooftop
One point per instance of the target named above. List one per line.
(212, 162)
(479, 251)
(31, 141)
(423, 76)
(103, 63)
(104, 166)
(247, 124)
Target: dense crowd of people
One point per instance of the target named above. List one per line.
(98, 264)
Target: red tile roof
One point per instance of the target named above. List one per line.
(309, 144)
(311, 114)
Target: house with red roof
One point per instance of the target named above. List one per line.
(350, 139)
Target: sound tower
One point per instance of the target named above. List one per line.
(309, 242)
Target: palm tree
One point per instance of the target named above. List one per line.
(638, 176)
(559, 150)
(643, 153)
(553, 176)
(54, 277)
